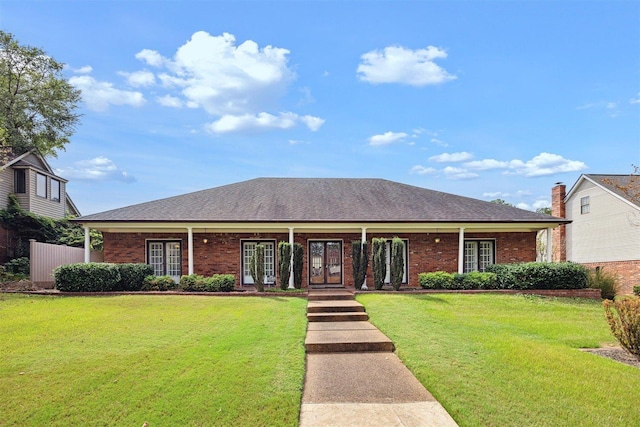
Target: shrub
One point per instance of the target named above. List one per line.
(436, 280)
(379, 261)
(397, 262)
(284, 264)
(540, 275)
(605, 281)
(158, 283)
(89, 277)
(18, 266)
(132, 276)
(256, 266)
(624, 320)
(298, 253)
(636, 290)
(360, 262)
(480, 280)
(215, 283)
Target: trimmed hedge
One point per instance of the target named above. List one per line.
(540, 275)
(531, 275)
(158, 283)
(132, 276)
(444, 280)
(215, 283)
(636, 290)
(90, 277)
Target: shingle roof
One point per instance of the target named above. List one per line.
(617, 183)
(318, 200)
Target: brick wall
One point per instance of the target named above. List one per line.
(628, 273)
(221, 254)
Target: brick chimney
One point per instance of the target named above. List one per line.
(559, 234)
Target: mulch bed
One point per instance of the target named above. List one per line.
(615, 353)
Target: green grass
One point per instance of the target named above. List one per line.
(498, 360)
(167, 360)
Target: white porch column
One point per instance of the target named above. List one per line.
(87, 246)
(190, 250)
(291, 264)
(461, 251)
(549, 245)
(362, 240)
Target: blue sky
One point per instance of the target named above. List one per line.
(477, 98)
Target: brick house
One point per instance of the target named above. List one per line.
(216, 230)
(37, 189)
(604, 227)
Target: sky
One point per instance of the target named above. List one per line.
(484, 99)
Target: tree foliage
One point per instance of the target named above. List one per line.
(397, 262)
(379, 262)
(360, 262)
(27, 225)
(284, 264)
(37, 104)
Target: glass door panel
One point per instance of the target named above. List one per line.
(325, 263)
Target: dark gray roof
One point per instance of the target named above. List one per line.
(625, 186)
(318, 200)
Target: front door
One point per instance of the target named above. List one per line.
(325, 263)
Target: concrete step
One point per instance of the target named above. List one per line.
(330, 295)
(334, 306)
(346, 337)
(338, 317)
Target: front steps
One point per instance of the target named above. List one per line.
(339, 324)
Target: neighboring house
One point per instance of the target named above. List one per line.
(38, 190)
(605, 226)
(216, 230)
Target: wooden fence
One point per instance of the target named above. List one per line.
(46, 257)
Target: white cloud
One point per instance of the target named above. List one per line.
(96, 169)
(298, 142)
(222, 78)
(170, 101)
(635, 100)
(99, 95)
(486, 164)
(439, 142)
(396, 64)
(139, 78)
(387, 138)
(82, 70)
(542, 203)
(458, 173)
(451, 157)
(421, 170)
(262, 121)
(496, 194)
(545, 164)
(523, 205)
(151, 57)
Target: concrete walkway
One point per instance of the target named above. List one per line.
(353, 378)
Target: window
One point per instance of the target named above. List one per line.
(584, 205)
(248, 249)
(478, 254)
(41, 185)
(55, 190)
(387, 278)
(165, 258)
(20, 180)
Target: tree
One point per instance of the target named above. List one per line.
(397, 262)
(546, 210)
(256, 265)
(360, 262)
(37, 104)
(379, 262)
(298, 254)
(284, 264)
(501, 202)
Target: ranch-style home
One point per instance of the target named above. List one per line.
(216, 230)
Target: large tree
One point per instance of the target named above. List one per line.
(37, 104)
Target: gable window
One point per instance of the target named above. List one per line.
(20, 181)
(478, 254)
(41, 185)
(165, 257)
(584, 205)
(248, 249)
(387, 278)
(55, 190)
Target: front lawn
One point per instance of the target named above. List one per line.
(167, 360)
(502, 360)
